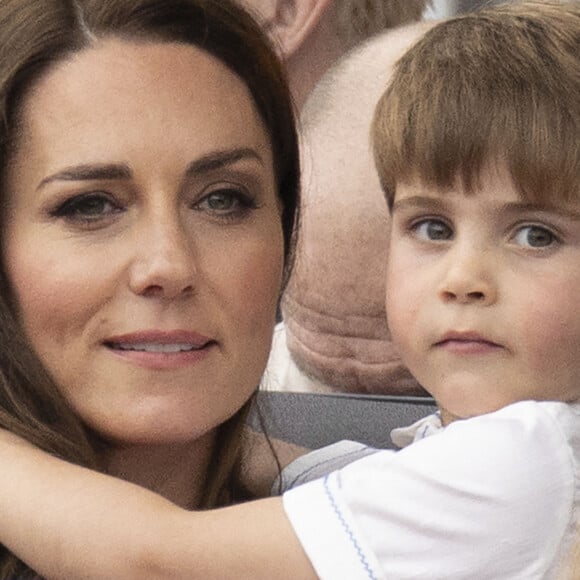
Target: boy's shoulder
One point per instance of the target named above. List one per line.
(525, 434)
(518, 455)
(536, 410)
(523, 423)
(523, 455)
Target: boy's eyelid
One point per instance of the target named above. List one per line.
(553, 230)
(411, 216)
(415, 225)
(551, 220)
(555, 242)
(414, 210)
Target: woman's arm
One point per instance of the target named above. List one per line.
(70, 522)
(387, 513)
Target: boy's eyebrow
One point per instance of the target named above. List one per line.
(518, 207)
(419, 201)
(105, 171)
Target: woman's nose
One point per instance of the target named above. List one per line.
(468, 278)
(164, 263)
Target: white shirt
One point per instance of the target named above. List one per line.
(492, 497)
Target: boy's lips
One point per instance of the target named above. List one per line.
(466, 341)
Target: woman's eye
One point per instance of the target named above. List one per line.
(225, 203)
(432, 230)
(534, 237)
(87, 207)
(222, 200)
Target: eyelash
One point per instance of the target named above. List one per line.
(554, 241)
(72, 208)
(413, 226)
(554, 238)
(243, 203)
(76, 209)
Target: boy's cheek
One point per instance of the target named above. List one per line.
(402, 315)
(405, 286)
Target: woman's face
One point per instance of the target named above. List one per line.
(142, 238)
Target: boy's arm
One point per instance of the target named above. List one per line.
(69, 522)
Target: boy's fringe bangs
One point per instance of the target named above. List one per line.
(449, 118)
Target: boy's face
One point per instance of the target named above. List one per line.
(483, 293)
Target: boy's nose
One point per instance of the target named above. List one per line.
(468, 279)
(164, 263)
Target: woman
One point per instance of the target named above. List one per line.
(484, 269)
(149, 164)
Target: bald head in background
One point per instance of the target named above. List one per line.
(312, 35)
(333, 308)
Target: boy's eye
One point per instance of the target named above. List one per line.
(432, 230)
(534, 237)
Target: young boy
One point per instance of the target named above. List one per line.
(476, 143)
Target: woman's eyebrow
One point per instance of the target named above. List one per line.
(206, 164)
(89, 172)
(219, 159)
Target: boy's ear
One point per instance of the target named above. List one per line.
(294, 21)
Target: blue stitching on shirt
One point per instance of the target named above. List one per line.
(423, 433)
(348, 531)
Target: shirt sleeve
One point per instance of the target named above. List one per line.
(488, 498)
(319, 463)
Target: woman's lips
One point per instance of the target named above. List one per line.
(161, 350)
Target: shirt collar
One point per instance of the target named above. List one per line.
(425, 427)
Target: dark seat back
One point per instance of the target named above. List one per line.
(315, 420)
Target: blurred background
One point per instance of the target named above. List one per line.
(444, 8)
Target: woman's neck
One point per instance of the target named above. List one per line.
(177, 471)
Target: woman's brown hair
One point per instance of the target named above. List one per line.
(34, 36)
(499, 86)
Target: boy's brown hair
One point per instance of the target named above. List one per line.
(498, 86)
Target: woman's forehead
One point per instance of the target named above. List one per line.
(138, 104)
